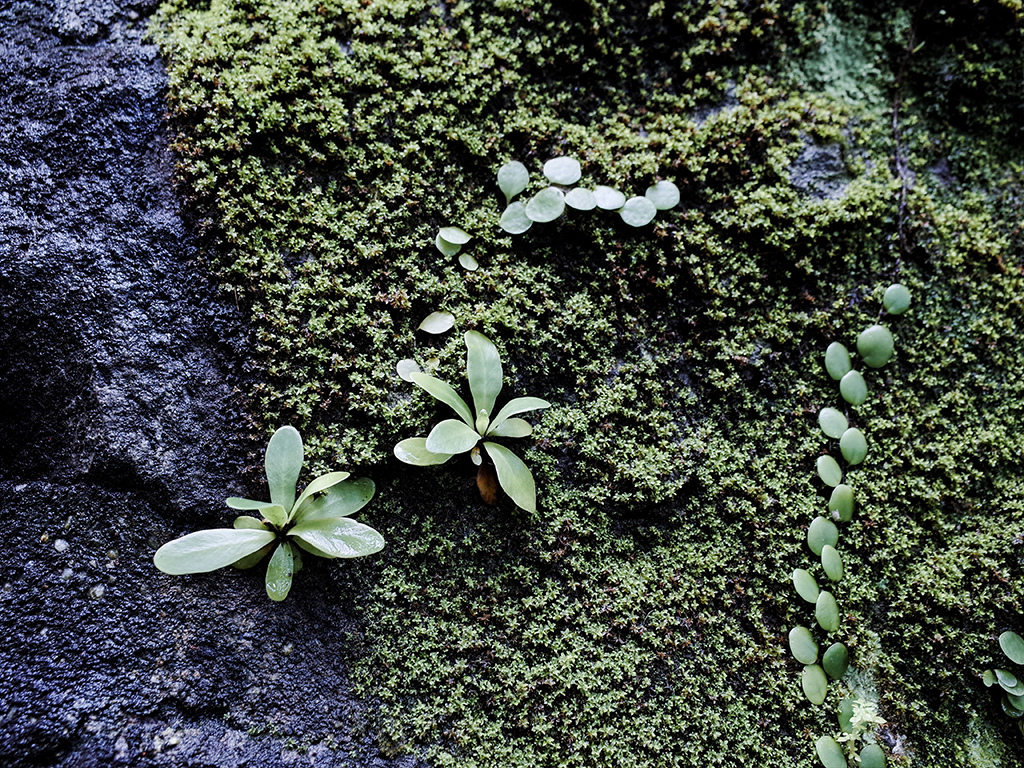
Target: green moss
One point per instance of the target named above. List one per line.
(641, 616)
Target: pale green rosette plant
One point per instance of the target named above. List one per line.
(317, 522)
(474, 430)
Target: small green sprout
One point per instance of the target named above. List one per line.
(857, 716)
(472, 431)
(317, 522)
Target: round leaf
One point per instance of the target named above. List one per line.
(854, 445)
(414, 451)
(1013, 646)
(339, 536)
(837, 360)
(513, 178)
(841, 502)
(455, 236)
(832, 422)
(829, 751)
(609, 199)
(1016, 701)
(451, 436)
(1009, 682)
(814, 683)
(664, 195)
(448, 249)
(406, 368)
(836, 660)
(872, 756)
(853, 388)
(875, 345)
(279, 573)
(547, 205)
(468, 262)
(988, 677)
(638, 212)
(437, 322)
(562, 170)
(829, 471)
(897, 299)
(832, 563)
(820, 532)
(580, 199)
(205, 551)
(514, 219)
(802, 645)
(826, 612)
(805, 584)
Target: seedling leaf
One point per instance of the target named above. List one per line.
(205, 551)
(448, 249)
(454, 235)
(580, 199)
(562, 170)
(437, 322)
(468, 262)
(283, 462)
(406, 368)
(664, 195)
(513, 178)
(514, 476)
(638, 212)
(414, 451)
(609, 199)
(514, 220)
(279, 572)
(451, 436)
(547, 205)
(1013, 646)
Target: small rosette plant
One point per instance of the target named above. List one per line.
(316, 522)
(474, 431)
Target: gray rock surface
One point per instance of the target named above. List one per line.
(123, 392)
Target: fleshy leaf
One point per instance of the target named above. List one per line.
(483, 368)
(279, 573)
(341, 500)
(468, 262)
(829, 751)
(872, 756)
(547, 205)
(832, 422)
(451, 436)
(802, 645)
(581, 199)
(514, 476)
(1013, 646)
(829, 471)
(414, 451)
(275, 515)
(814, 683)
(512, 179)
(437, 322)
(826, 612)
(206, 551)
(454, 235)
(513, 428)
(806, 585)
(514, 219)
(563, 170)
(448, 249)
(406, 368)
(250, 561)
(320, 484)
(609, 199)
(837, 360)
(638, 212)
(283, 463)
(339, 537)
(247, 504)
(897, 299)
(518, 405)
(445, 394)
(875, 345)
(664, 195)
(244, 522)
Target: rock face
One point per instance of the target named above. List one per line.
(120, 378)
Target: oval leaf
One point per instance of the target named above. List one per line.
(246, 523)
(638, 212)
(609, 199)
(563, 170)
(339, 537)
(205, 551)
(468, 262)
(513, 178)
(483, 368)
(547, 205)
(854, 445)
(512, 428)
(406, 368)
(846, 715)
(841, 502)
(414, 451)
(836, 660)
(802, 645)
(872, 756)
(283, 462)
(814, 683)
(832, 422)
(837, 360)
(896, 299)
(1013, 646)
(829, 752)
(341, 500)
(581, 199)
(514, 476)
(514, 219)
(664, 195)
(826, 612)
(875, 345)
(853, 388)
(806, 585)
(451, 436)
(829, 471)
(437, 322)
(279, 573)
(518, 405)
(832, 563)
(448, 249)
(454, 235)
(444, 393)
(820, 532)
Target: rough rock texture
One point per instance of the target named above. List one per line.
(120, 375)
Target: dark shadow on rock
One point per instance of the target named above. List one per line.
(121, 375)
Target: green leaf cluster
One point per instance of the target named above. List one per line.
(475, 430)
(317, 522)
(1011, 683)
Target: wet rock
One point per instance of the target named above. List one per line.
(820, 171)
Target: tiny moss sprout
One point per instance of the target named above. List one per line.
(316, 522)
(1011, 684)
(474, 431)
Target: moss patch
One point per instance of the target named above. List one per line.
(641, 616)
